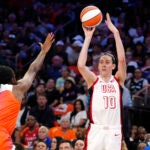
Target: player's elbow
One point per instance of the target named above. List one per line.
(122, 60)
(80, 66)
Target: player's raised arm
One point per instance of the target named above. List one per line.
(83, 69)
(24, 84)
(121, 73)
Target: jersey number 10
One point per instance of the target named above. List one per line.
(109, 102)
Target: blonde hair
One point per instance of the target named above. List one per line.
(45, 128)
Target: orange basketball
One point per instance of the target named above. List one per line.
(91, 16)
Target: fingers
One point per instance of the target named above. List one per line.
(48, 42)
(86, 29)
(107, 18)
(50, 37)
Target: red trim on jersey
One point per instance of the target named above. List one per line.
(90, 115)
(121, 105)
(86, 138)
(120, 93)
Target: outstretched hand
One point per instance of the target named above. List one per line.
(47, 43)
(109, 24)
(88, 31)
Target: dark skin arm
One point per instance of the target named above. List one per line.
(24, 84)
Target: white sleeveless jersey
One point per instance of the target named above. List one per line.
(105, 105)
(4, 87)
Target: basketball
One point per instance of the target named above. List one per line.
(91, 16)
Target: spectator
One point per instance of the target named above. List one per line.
(41, 145)
(141, 146)
(141, 132)
(78, 116)
(55, 143)
(73, 52)
(52, 93)
(18, 146)
(43, 135)
(60, 51)
(32, 96)
(42, 112)
(65, 145)
(64, 131)
(79, 144)
(143, 95)
(132, 141)
(147, 141)
(60, 82)
(80, 133)
(30, 131)
(54, 70)
(137, 82)
(69, 94)
(139, 53)
(146, 69)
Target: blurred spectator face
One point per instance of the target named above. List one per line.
(141, 146)
(65, 146)
(68, 84)
(42, 133)
(54, 144)
(141, 133)
(129, 56)
(57, 61)
(41, 100)
(134, 129)
(147, 63)
(40, 88)
(41, 146)
(64, 72)
(79, 145)
(78, 106)
(137, 73)
(12, 17)
(139, 47)
(59, 46)
(81, 133)
(30, 121)
(147, 139)
(50, 84)
(147, 43)
(65, 123)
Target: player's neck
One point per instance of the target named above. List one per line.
(106, 78)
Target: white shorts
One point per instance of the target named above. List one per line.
(101, 137)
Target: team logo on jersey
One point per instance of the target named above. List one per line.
(108, 88)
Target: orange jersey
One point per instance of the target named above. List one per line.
(9, 108)
(68, 135)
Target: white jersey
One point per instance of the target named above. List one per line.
(105, 105)
(4, 87)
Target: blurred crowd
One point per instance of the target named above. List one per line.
(55, 109)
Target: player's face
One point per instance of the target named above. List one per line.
(106, 65)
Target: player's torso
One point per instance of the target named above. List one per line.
(106, 102)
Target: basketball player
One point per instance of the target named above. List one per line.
(104, 131)
(12, 92)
